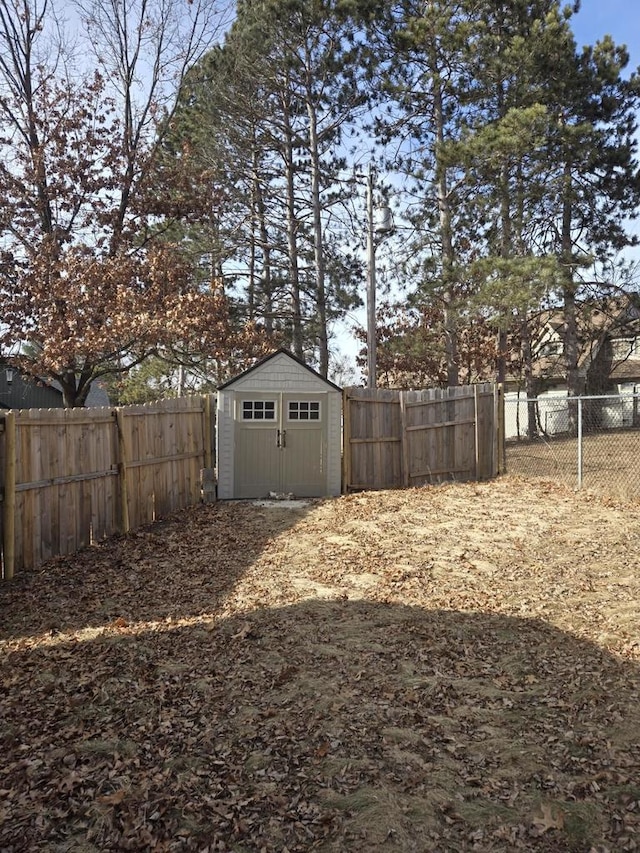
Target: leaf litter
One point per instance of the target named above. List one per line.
(438, 669)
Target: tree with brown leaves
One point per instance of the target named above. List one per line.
(91, 281)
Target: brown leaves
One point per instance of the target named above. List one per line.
(199, 694)
(548, 817)
(113, 799)
(85, 310)
(411, 347)
(89, 275)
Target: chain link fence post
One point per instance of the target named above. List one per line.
(580, 458)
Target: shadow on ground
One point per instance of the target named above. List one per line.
(326, 725)
(182, 566)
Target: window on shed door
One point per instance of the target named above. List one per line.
(304, 410)
(258, 410)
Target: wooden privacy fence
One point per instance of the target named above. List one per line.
(396, 439)
(74, 476)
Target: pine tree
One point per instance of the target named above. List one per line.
(281, 91)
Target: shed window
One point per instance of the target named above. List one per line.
(302, 410)
(258, 410)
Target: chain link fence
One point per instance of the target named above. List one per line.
(584, 442)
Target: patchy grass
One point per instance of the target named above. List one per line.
(439, 669)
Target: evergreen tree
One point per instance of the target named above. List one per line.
(523, 150)
(280, 93)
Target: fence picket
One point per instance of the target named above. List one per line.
(9, 513)
(123, 459)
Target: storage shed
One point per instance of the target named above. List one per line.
(278, 430)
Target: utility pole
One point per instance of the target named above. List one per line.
(374, 230)
(371, 286)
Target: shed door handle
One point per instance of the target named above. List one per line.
(281, 439)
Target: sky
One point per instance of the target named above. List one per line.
(617, 18)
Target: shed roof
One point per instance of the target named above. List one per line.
(268, 358)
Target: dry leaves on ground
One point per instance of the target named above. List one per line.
(440, 669)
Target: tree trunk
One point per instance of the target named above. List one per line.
(254, 225)
(266, 284)
(318, 245)
(506, 241)
(261, 239)
(292, 231)
(446, 238)
(574, 385)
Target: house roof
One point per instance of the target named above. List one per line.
(627, 370)
(268, 358)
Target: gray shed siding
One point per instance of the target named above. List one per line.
(280, 373)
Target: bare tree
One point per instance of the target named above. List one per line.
(145, 48)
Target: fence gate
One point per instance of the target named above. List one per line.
(395, 439)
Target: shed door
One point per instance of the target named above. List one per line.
(281, 445)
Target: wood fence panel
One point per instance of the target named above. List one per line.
(412, 438)
(375, 438)
(72, 477)
(62, 480)
(487, 431)
(164, 448)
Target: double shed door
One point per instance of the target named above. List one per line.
(280, 444)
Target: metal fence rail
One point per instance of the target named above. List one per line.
(585, 442)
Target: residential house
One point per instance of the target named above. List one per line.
(608, 364)
(18, 391)
(608, 349)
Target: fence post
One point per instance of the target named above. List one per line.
(579, 442)
(122, 468)
(501, 457)
(346, 441)
(405, 439)
(476, 428)
(9, 515)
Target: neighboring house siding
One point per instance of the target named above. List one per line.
(25, 394)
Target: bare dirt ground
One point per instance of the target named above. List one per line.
(453, 668)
